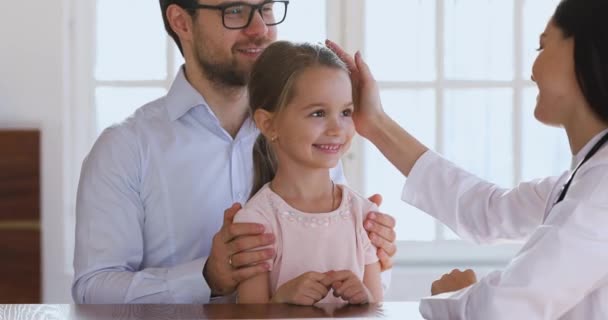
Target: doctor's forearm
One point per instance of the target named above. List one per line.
(396, 144)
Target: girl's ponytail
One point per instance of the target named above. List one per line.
(264, 164)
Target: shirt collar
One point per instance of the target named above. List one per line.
(583, 152)
(182, 97)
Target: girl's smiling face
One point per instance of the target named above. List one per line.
(316, 127)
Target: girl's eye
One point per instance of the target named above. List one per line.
(347, 112)
(317, 114)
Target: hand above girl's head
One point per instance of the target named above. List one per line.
(366, 95)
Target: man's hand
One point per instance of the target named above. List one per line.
(380, 228)
(453, 281)
(230, 260)
(349, 287)
(306, 290)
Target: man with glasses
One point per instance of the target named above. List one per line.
(153, 187)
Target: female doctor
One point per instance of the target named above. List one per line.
(561, 271)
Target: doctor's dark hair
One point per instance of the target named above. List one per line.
(164, 4)
(272, 87)
(586, 21)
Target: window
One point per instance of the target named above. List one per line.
(455, 73)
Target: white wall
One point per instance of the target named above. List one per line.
(32, 85)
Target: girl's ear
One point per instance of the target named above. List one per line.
(264, 121)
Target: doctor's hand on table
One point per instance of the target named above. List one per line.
(453, 281)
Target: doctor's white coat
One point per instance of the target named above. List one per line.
(561, 272)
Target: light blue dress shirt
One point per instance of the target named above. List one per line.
(152, 195)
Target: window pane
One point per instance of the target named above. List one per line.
(113, 105)
(536, 16)
(545, 150)
(478, 135)
(414, 110)
(400, 39)
(478, 132)
(479, 39)
(131, 41)
(305, 22)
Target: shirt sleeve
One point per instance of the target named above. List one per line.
(109, 244)
(563, 262)
(473, 208)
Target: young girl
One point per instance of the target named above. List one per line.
(301, 100)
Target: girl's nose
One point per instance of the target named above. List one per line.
(334, 127)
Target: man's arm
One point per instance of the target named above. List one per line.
(109, 234)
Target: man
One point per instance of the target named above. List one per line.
(153, 188)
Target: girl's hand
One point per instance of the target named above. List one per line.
(349, 287)
(305, 290)
(366, 95)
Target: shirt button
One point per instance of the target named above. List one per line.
(240, 194)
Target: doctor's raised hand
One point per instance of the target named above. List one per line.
(372, 122)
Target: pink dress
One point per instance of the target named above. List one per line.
(313, 241)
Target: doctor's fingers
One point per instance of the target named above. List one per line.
(345, 57)
(248, 258)
(364, 76)
(467, 275)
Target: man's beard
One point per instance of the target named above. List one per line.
(224, 73)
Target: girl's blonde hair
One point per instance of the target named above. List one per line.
(271, 88)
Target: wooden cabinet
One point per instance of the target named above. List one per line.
(20, 268)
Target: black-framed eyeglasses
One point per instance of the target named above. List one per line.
(238, 15)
